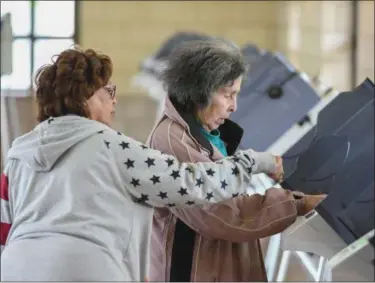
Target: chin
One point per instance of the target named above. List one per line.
(214, 128)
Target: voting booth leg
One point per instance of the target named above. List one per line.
(326, 275)
(321, 270)
(314, 273)
(308, 264)
(272, 255)
(14, 119)
(283, 268)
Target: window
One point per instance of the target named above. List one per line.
(45, 49)
(54, 18)
(20, 78)
(21, 16)
(41, 29)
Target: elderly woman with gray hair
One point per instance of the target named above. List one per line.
(217, 242)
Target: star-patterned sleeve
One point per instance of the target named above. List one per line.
(157, 179)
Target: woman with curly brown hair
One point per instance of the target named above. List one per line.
(77, 196)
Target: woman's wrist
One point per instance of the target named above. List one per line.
(300, 201)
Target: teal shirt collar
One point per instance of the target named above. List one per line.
(214, 138)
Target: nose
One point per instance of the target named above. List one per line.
(233, 106)
(114, 100)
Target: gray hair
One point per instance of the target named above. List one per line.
(197, 69)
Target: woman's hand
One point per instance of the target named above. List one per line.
(312, 201)
(307, 203)
(278, 176)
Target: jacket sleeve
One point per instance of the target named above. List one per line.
(6, 216)
(243, 218)
(158, 179)
(239, 219)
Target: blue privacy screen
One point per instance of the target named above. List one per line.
(273, 98)
(337, 157)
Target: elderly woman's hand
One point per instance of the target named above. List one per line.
(278, 176)
(309, 203)
(313, 201)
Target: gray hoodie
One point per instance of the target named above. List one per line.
(77, 200)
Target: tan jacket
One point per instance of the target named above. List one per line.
(214, 242)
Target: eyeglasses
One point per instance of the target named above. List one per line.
(111, 88)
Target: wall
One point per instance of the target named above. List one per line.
(365, 49)
(316, 37)
(129, 31)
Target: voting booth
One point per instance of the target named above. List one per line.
(157, 62)
(271, 121)
(336, 157)
(253, 53)
(353, 263)
(6, 69)
(6, 45)
(274, 96)
(343, 136)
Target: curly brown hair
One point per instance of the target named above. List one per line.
(64, 86)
